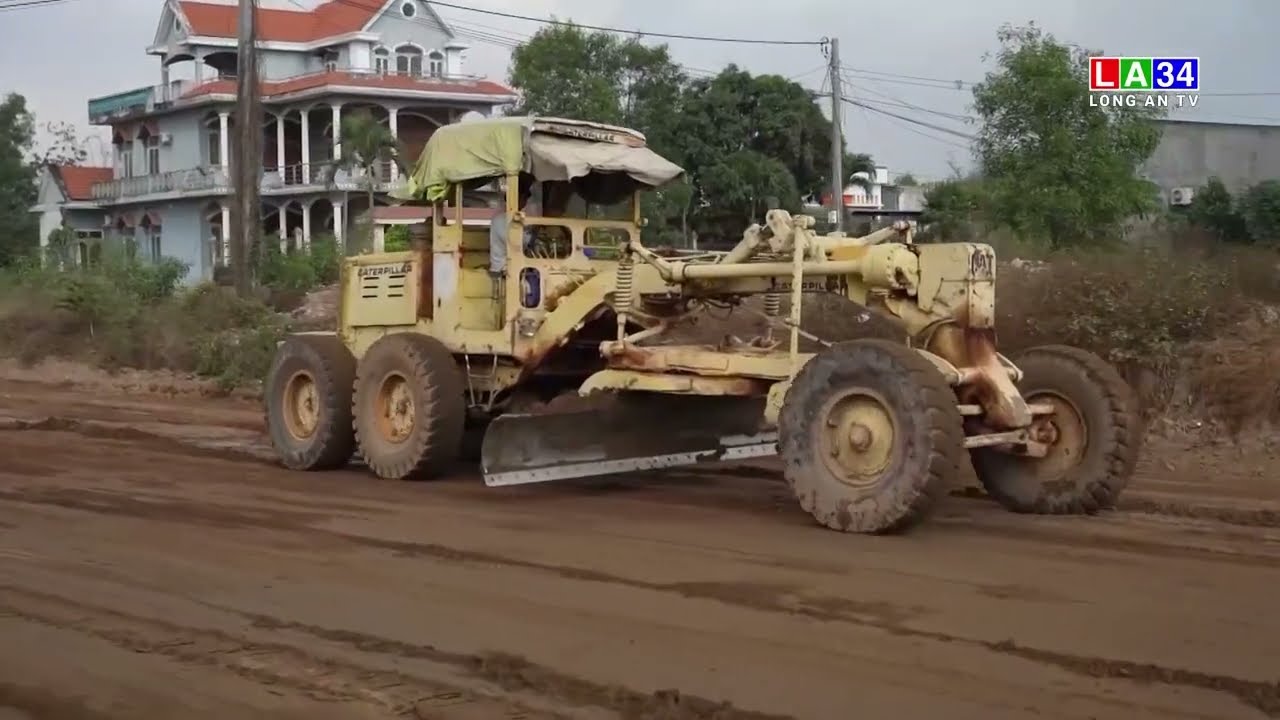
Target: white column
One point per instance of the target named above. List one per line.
(337, 224)
(306, 147)
(280, 145)
(379, 238)
(224, 140)
(306, 226)
(393, 121)
(226, 234)
(284, 228)
(337, 132)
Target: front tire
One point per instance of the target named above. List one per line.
(1094, 436)
(409, 408)
(307, 402)
(870, 436)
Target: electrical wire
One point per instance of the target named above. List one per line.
(27, 4)
(623, 31)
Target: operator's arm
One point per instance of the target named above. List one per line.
(498, 244)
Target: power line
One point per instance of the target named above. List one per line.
(623, 31)
(894, 100)
(957, 84)
(904, 118)
(25, 4)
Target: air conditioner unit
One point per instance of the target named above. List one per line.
(1181, 196)
(166, 138)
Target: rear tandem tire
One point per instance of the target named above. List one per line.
(870, 436)
(1097, 437)
(307, 403)
(409, 409)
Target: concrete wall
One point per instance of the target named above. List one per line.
(1191, 152)
(278, 65)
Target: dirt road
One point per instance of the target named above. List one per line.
(153, 565)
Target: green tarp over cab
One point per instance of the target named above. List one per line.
(548, 148)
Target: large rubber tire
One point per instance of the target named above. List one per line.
(418, 375)
(307, 402)
(1098, 437)
(881, 481)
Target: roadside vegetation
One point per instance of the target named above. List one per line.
(1185, 300)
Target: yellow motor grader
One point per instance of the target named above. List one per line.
(435, 349)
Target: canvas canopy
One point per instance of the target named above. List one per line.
(549, 149)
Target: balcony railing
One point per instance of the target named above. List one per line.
(213, 180)
(156, 97)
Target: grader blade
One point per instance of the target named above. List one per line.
(522, 449)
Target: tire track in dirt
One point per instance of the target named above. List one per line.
(777, 598)
(271, 664)
(37, 702)
(282, 665)
(226, 452)
(495, 667)
(1242, 517)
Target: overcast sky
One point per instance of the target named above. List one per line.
(60, 55)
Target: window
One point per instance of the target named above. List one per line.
(153, 155)
(330, 60)
(409, 60)
(435, 63)
(126, 159)
(381, 61)
(151, 233)
(215, 144)
(409, 9)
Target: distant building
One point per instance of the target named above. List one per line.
(1190, 152)
(873, 205)
(169, 191)
(66, 199)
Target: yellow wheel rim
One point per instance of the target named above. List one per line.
(1064, 432)
(301, 405)
(856, 437)
(394, 411)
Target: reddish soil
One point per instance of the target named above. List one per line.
(155, 564)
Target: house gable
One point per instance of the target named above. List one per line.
(51, 191)
(173, 27)
(411, 22)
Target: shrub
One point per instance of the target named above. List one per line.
(397, 238)
(1214, 210)
(1260, 210)
(1135, 307)
(123, 313)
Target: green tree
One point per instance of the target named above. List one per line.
(951, 209)
(19, 227)
(367, 145)
(1260, 208)
(854, 163)
(748, 138)
(566, 71)
(906, 179)
(1215, 211)
(1056, 167)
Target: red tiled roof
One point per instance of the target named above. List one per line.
(77, 181)
(421, 214)
(357, 80)
(328, 19)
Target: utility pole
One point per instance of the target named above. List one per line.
(837, 137)
(246, 152)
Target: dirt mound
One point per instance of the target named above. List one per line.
(318, 309)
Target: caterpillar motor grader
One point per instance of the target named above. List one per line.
(568, 363)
